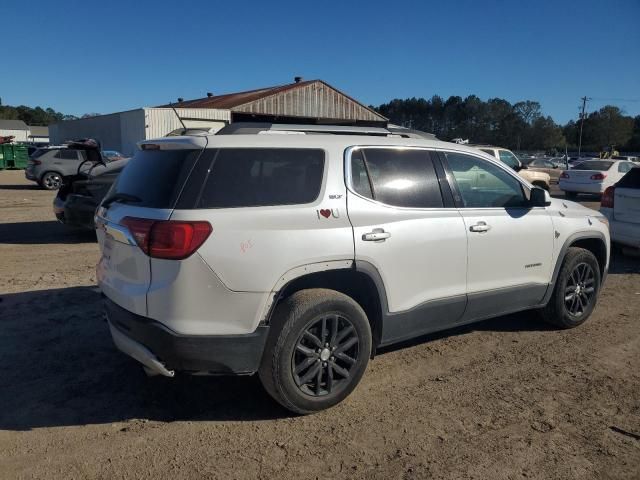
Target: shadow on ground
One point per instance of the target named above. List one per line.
(60, 367)
(21, 187)
(47, 232)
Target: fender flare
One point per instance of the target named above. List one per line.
(590, 234)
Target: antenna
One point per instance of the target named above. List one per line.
(179, 119)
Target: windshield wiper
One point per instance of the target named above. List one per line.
(120, 197)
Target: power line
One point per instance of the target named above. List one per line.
(599, 99)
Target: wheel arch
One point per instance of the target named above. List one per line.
(353, 282)
(595, 242)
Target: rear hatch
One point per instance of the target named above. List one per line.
(626, 207)
(148, 188)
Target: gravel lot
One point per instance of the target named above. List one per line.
(506, 398)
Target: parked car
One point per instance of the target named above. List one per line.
(621, 205)
(592, 176)
(297, 256)
(79, 196)
(113, 155)
(539, 179)
(545, 166)
(47, 166)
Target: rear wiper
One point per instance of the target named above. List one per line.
(120, 197)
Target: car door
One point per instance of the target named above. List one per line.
(408, 235)
(510, 244)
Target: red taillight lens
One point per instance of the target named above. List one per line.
(35, 162)
(564, 175)
(168, 239)
(598, 176)
(608, 197)
(177, 240)
(140, 228)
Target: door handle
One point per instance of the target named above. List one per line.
(480, 227)
(377, 235)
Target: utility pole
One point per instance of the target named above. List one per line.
(582, 115)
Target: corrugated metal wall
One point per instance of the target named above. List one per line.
(132, 130)
(160, 121)
(104, 128)
(316, 100)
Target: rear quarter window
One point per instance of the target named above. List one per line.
(257, 177)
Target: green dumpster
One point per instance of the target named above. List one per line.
(13, 156)
(20, 156)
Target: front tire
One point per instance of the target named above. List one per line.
(317, 351)
(576, 290)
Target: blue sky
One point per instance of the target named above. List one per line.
(86, 56)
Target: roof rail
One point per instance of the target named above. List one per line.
(249, 128)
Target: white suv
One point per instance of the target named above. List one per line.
(296, 253)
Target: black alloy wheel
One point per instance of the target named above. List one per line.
(580, 289)
(324, 355)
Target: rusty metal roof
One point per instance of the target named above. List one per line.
(231, 100)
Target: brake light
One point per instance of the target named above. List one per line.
(598, 176)
(169, 239)
(608, 197)
(35, 162)
(564, 175)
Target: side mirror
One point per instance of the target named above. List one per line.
(539, 197)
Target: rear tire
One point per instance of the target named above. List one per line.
(51, 181)
(317, 351)
(576, 290)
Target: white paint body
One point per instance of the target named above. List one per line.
(229, 285)
(580, 181)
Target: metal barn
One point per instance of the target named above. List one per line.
(312, 101)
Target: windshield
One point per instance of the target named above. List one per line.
(509, 158)
(594, 165)
(156, 177)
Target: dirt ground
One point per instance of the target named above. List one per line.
(507, 398)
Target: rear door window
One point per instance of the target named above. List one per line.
(396, 177)
(67, 154)
(257, 177)
(155, 177)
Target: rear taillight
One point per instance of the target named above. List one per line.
(598, 176)
(35, 162)
(564, 175)
(608, 197)
(174, 240)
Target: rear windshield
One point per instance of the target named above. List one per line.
(594, 165)
(631, 179)
(254, 177)
(39, 152)
(156, 177)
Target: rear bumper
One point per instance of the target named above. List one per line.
(149, 341)
(28, 174)
(596, 188)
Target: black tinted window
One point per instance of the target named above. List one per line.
(67, 154)
(484, 185)
(402, 178)
(631, 179)
(156, 177)
(254, 177)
